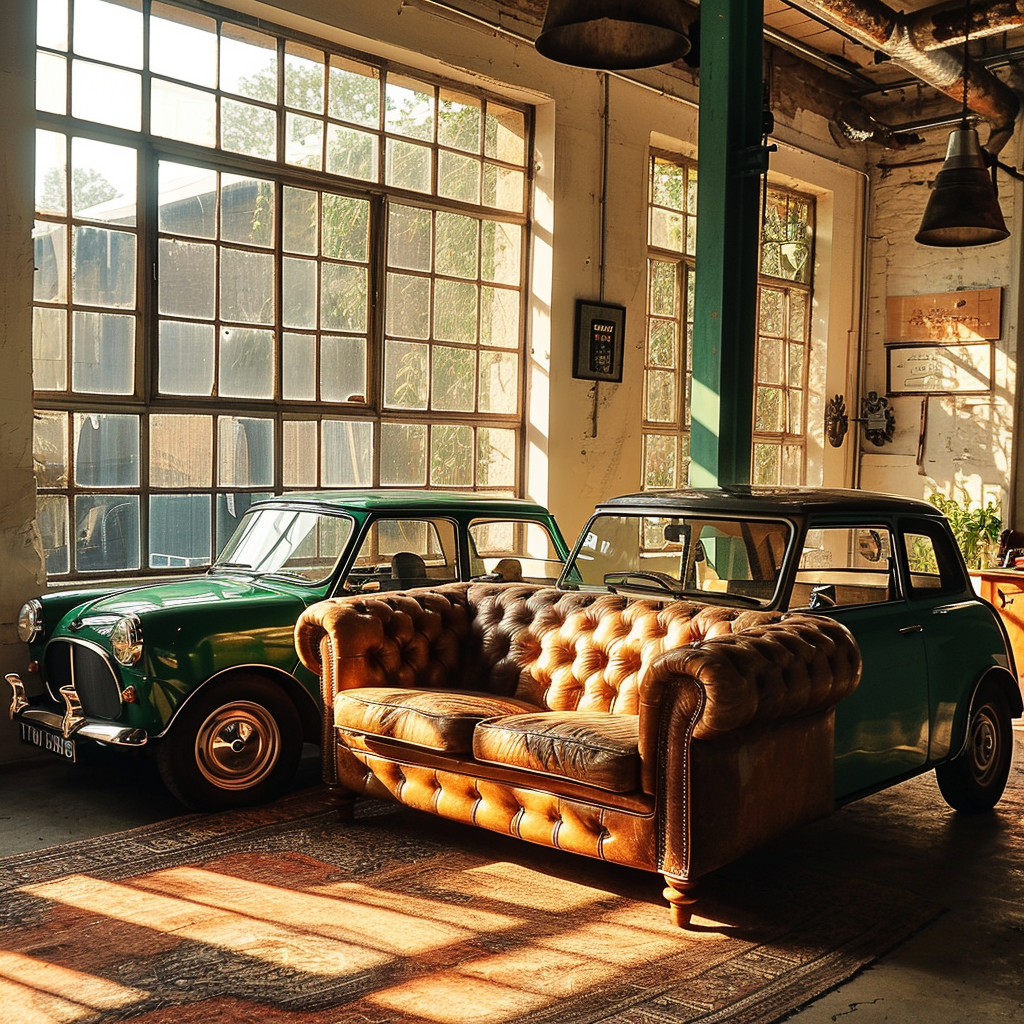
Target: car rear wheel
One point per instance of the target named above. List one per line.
(235, 743)
(974, 780)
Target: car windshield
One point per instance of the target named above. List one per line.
(293, 543)
(724, 560)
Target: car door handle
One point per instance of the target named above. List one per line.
(906, 630)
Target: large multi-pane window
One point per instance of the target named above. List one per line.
(782, 360)
(261, 264)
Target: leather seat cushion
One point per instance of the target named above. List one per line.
(441, 720)
(595, 748)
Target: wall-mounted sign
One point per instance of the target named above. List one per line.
(939, 369)
(597, 352)
(944, 318)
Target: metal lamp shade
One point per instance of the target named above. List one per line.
(613, 35)
(963, 208)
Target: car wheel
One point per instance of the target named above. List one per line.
(974, 780)
(234, 744)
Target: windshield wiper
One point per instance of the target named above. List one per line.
(231, 565)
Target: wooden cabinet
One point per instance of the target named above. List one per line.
(1004, 588)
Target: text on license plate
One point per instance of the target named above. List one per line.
(47, 741)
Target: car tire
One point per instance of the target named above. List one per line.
(234, 744)
(974, 780)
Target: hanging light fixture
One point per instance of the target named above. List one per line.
(963, 208)
(613, 35)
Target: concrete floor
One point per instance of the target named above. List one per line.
(966, 967)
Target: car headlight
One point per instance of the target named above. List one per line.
(126, 640)
(30, 620)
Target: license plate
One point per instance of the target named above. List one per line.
(45, 740)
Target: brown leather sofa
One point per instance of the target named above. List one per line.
(668, 736)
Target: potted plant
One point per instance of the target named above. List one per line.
(976, 529)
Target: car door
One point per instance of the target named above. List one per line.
(853, 574)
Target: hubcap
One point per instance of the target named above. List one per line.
(238, 745)
(984, 745)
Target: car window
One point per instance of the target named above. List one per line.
(845, 565)
(932, 562)
(400, 553)
(512, 551)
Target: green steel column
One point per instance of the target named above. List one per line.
(730, 158)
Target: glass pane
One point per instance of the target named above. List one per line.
(346, 227)
(246, 286)
(299, 292)
(353, 92)
(248, 63)
(663, 288)
(51, 172)
(796, 411)
(659, 460)
(103, 354)
(667, 229)
(458, 239)
(409, 165)
(106, 450)
(183, 45)
(661, 343)
(304, 141)
(298, 367)
(403, 454)
(52, 521)
(495, 457)
(179, 530)
(300, 453)
(103, 267)
(111, 32)
(766, 464)
(408, 306)
(405, 375)
(106, 95)
(458, 121)
(347, 454)
(503, 188)
(188, 115)
(669, 184)
(453, 379)
(187, 279)
(49, 349)
(247, 210)
(180, 451)
(49, 242)
(51, 83)
(106, 532)
(104, 181)
(185, 358)
(52, 23)
(188, 200)
(772, 311)
(246, 363)
(409, 237)
(246, 128)
(352, 153)
(798, 315)
(303, 78)
(458, 177)
(661, 397)
(50, 448)
(770, 409)
(344, 297)
(499, 382)
(409, 108)
(455, 311)
(230, 509)
(343, 369)
(245, 451)
(300, 221)
(501, 252)
(505, 134)
(770, 361)
(499, 317)
(451, 456)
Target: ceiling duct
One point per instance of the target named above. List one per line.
(852, 123)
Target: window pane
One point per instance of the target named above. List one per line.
(766, 464)
(248, 63)
(409, 237)
(792, 465)
(180, 451)
(661, 396)
(247, 210)
(185, 359)
(405, 375)
(50, 448)
(769, 409)
(104, 267)
(503, 188)
(458, 239)
(299, 209)
(49, 349)
(304, 78)
(188, 200)
(106, 450)
(52, 23)
(667, 229)
(772, 311)
(409, 108)
(248, 129)
(111, 32)
(188, 115)
(103, 354)
(351, 153)
(346, 228)
(770, 361)
(409, 165)
(343, 369)
(179, 530)
(299, 291)
(51, 83)
(458, 121)
(500, 258)
(453, 379)
(300, 453)
(499, 317)
(354, 92)
(246, 363)
(455, 311)
(183, 45)
(451, 455)
(661, 343)
(495, 457)
(106, 532)
(230, 509)
(458, 177)
(245, 451)
(51, 172)
(659, 460)
(499, 382)
(505, 134)
(403, 454)
(246, 286)
(347, 454)
(52, 520)
(343, 297)
(106, 95)
(304, 141)
(298, 367)
(663, 288)
(408, 306)
(187, 279)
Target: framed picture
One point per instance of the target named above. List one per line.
(939, 369)
(597, 351)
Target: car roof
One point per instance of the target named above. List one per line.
(788, 501)
(418, 501)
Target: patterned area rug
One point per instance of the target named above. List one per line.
(281, 914)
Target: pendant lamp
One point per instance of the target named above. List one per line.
(963, 208)
(613, 35)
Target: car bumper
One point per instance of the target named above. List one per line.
(50, 720)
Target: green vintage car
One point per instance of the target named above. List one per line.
(202, 670)
(939, 687)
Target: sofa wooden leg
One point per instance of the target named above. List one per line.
(681, 898)
(344, 801)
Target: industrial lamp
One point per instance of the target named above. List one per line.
(963, 208)
(613, 35)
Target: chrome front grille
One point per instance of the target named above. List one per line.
(89, 670)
